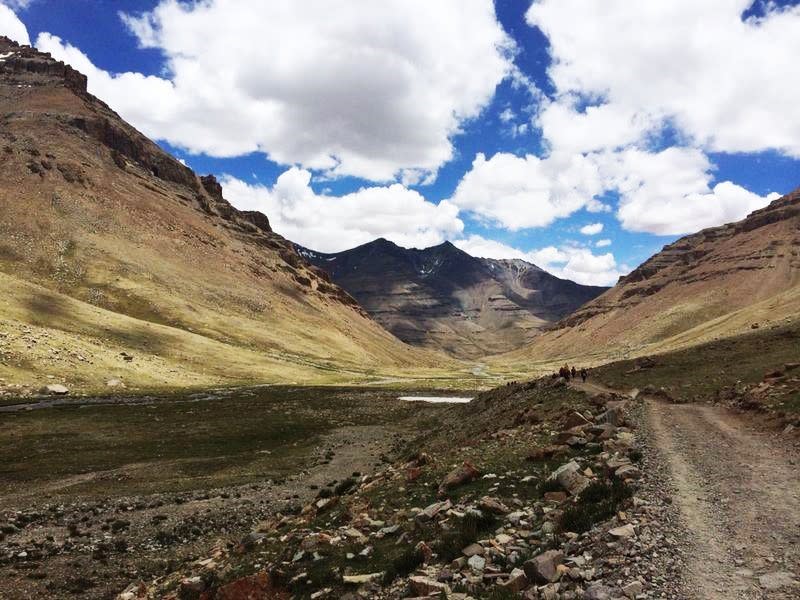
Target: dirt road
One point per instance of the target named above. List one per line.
(739, 493)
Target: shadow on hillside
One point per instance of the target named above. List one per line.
(43, 308)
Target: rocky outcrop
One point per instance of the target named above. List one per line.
(18, 60)
(261, 222)
(126, 142)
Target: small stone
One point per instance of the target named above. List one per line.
(633, 589)
(776, 581)
(423, 586)
(55, 389)
(473, 550)
(359, 579)
(477, 563)
(626, 531)
(544, 568)
(516, 582)
(599, 591)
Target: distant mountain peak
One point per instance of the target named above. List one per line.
(443, 297)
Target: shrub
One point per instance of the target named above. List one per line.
(598, 502)
(468, 530)
(403, 564)
(344, 486)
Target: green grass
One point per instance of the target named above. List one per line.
(257, 434)
(598, 502)
(697, 373)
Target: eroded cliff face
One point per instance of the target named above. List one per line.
(718, 282)
(766, 241)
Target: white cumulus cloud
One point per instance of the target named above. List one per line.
(520, 192)
(604, 243)
(592, 229)
(729, 84)
(12, 27)
(334, 223)
(670, 192)
(370, 89)
(665, 193)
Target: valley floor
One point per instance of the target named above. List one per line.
(695, 494)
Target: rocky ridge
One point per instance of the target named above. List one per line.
(714, 284)
(707, 255)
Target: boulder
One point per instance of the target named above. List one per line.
(627, 472)
(55, 389)
(493, 505)
(576, 419)
(477, 563)
(624, 532)
(633, 589)
(434, 509)
(473, 550)
(192, 587)
(459, 476)
(547, 452)
(516, 582)
(570, 478)
(359, 579)
(544, 568)
(612, 416)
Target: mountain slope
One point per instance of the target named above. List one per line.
(110, 245)
(441, 297)
(718, 282)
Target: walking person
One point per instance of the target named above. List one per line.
(584, 374)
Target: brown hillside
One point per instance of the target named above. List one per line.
(110, 245)
(719, 282)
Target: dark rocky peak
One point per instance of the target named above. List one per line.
(20, 62)
(516, 265)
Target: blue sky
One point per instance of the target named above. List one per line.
(507, 127)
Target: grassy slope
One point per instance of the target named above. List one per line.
(121, 260)
(698, 373)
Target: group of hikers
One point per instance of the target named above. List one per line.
(568, 373)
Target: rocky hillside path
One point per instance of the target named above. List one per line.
(738, 492)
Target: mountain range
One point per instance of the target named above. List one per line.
(443, 298)
(119, 262)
